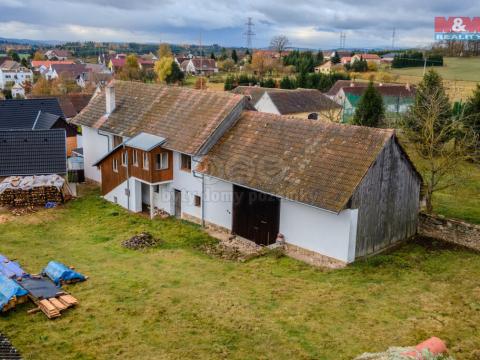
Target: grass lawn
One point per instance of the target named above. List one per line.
(174, 302)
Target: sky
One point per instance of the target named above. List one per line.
(307, 23)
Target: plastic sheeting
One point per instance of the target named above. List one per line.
(30, 182)
(10, 269)
(59, 273)
(8, 290)
(40, 288)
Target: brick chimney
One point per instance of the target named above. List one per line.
(110, 98)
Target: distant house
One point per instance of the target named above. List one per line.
(37, 114)
(328, 54)
(18, 91)
(199, 66)
(328, 67)
(373, 58)
(73, 72)
(333, 193)
(12, 72)
(42, 66)
(57, 54)
(388, 58)
(32, 152)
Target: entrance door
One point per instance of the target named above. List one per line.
(256, 216)
(178, 203)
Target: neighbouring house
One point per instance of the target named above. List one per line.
(57, 54)
(18, 91)
(373, 58)
(37, 114)
(397, 99)
(32, 152)
(303, 103)
(42, 66)
(334, 193)
(73, 72)
(328, 54)
(388, 58)
(328, 67)
(12, 72)
(199, 66)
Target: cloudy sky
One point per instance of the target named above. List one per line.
(307, 23)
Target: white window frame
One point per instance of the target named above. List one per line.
(115, 165)
(146, 164)
(135, 157)
(124, 158)
(163, 164)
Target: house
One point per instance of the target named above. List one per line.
(372, 58)
(328, 67)
(388, 58)
(12, 72)
(57, 54)
(37, 114)
(253, 93)
(199, 66)
(328, 54)
(73, 72)
(303, 103)
(32, 152)
(334, 193)
(18, 92)
(42, 66)
(397, 99)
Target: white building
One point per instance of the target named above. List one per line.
(11, 73)
(333, 192)
(18, 91)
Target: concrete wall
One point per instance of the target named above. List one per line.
(318, 230)
(218, 202)
(135, 202)
(94, 147)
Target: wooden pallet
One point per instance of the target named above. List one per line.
(54, 306)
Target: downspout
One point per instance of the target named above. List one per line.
(128, 180)
(203, 193)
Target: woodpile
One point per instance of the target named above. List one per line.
(141, 241)
(7, 351)
(37, 196)
(54, 306)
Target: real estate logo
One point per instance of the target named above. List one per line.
(461, 28)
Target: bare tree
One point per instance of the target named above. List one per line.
(279, 43)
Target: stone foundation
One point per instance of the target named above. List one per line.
(313, 258)
(208, 225)
(453, 231)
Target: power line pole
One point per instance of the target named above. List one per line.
(249, 33)
(393, 38)
(343, 37)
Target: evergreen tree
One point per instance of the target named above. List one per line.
(223, 54)
(319, 58)
(229, 83)
(335, 59)
(212, 56)
(370, 109)
(287, 83)
(176, 75)
(268, 83)
(472, 115)
(234, 56)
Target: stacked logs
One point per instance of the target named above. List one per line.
(38, 196)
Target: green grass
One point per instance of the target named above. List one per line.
(467, 69)
(174, 302)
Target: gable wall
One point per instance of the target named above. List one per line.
(387, 201)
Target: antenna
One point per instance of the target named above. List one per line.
(393, 38)
(249, 32)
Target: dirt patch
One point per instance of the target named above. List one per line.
(141, 241)
(233, 248)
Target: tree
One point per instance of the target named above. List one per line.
(163, 68)
(262, 63)
(13, 55)
(335, 59)
(226, 65)
(38, 56)
(131, 69)
(287, 83)
(176, 74)
(223, 54)
(164, 50)
(370, 109)
(212, 56)
(229, 83)
(319, 58)
(279, 43)
(268, 83)
(234, 56)
(41, 87)
(24, 62)
(472, 116)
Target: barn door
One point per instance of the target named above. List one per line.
(256, 216)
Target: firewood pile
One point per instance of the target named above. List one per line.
(235, 249)
(141, 241)
(37, 196)
(7, 351)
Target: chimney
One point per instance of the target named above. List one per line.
(407, 86)
(110, 98)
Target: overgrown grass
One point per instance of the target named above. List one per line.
(175, 302)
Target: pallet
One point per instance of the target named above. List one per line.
(53, 307)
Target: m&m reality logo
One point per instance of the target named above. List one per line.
(457, 28)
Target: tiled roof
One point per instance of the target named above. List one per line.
(70, 70)
(21, 114)
(254, 93)
(10, 65)
(185, 117)
(312, 162)
(32, 152)
(301, 101)
(47, 63)
(385, 90)
(71, 104)
(368, 56)
(339, 84)
(45, 121)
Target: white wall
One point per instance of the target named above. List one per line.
(94, 147)
(135, 202)
(266, 105)
(318, 230)
(218, 202)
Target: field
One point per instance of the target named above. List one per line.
(174, 302)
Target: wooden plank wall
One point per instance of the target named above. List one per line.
(387, 201)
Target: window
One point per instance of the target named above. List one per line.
(135, 157)
(115, 165)
(161, 161)
(156, 188)
(117, 140)
(186, 163)
(124, 158)
(198, 201)
(145, 161)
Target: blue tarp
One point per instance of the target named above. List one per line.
(59, 273)
(9, 289)
(10, 269)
